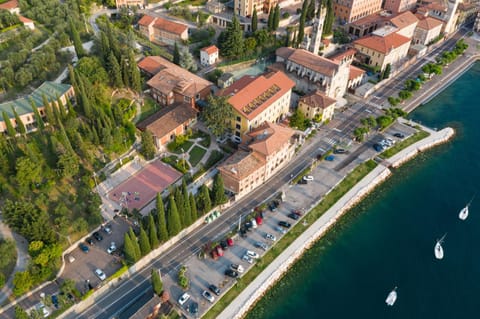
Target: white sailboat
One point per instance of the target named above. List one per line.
(464, 212)
(438, 248)
(392, 297)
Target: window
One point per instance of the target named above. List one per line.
(186, 99)
(237, 133)
(239, 119)
(237, 126)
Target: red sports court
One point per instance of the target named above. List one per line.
(141, 188)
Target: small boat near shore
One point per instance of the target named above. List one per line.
(392, 297)
(438, 248)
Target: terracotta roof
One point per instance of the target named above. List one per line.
(168, 119)
(171, 77)
(382, 44)
(339, 56)
(309, 60)
(170, 26)
(9, 5)
(210, 50)
(404, 19)
(146, 20)
(355, 72)
(317, 100)
(252, 95)
(371, 19)
(435, 5)
(241, 164)
(24, 20)
(429, 23)
(269, 138)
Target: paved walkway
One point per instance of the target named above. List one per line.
(22, 258)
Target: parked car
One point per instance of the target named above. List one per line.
(399, 135)
(90, 241)
(252, 254)
(303, 181)
(84, 247)
(214, 289)
(330, 158)
(308, 178)
(248, 226)
(100, 274)
(237, 268)
(183, 299)
(254, 223)
(214, 254)
(219, 251)
(270, 237)
(284, 224)
(293, 216)
(377, 147)
(248, 259)
(280, 230)
(207, 295)
(261, 245)
(230, 242)
(112, 248)
(107, 229)
(231, 273)
(340, 151)
(193, 308)
(259, 220)
(297, 212)
(97, 236)
(40, 307)
(224, 244)
(55, 301)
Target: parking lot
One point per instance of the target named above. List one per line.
(84, 265)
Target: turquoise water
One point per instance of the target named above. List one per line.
(388, 239)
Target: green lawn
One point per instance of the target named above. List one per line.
(195, 3)
(353, 178)
(149, 107)
(404, 144)
(196, 155)
(184, 147)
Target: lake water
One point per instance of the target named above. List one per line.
(388, 239)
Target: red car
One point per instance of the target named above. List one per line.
(214, 254)
(259, 220)
(219, 250)
(230, 242)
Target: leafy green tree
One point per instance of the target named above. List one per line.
(250, 45)
(218, 191)
(276, 17)
(68, 164)
(148, 147)
(176, 54)
(193, 207)
(145, 247)
(299, 120)
(20, 313)
(125, 72)
(204, 205)
(157, 284)
(28, 173)
(135, 244)
(404, 95)
(186, 60)
(173, 219)
(129, 250)
(233, 42)
(162, 224)
(10, 130)
(22, 282)
(77, 42)
(254, 19)
(152, 232)
(218, 114)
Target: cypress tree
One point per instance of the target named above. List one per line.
(301, 27)
(204, 205)
(77, 42)
(178, 196)
(135, 244)
(218, 191)
(193, 208)
(270, 20)
(10, 130)
(162, 225)
(134, 74)
(329, 18)
(50, 117)
(115, 71)
(233, 43)
(38, 117)
(176, 54)
(276, 17)
(129, 250)
(157, 284)
(186, 204)
(61, 108)
(254, 19)
(104, 47)
(56, 112)
(152, 232)
(145, 247)
(173, 219)
(310, 10)
(71, 111)
(20, 126)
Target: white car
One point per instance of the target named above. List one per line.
(183, 299)
(207, 295)
(237, 268)
(308, 178)
(100, 274)
(112, 248)
(252, 254)
(248, 259)
(271, 237)
(254, 223)
(42, 310)
(280, 230)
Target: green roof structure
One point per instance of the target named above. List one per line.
(22, 105)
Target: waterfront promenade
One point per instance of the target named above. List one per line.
(281, 264)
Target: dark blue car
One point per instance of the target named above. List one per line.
(84, 247)
(55, 301)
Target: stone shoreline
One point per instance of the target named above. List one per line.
(275, 271)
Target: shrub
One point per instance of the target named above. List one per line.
(285, 15)
(393, 101)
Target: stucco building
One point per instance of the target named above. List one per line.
(396, 6)
(258, 99)
(267, 149)
(405, 22)
(130, 3)
(427, 30)
(209, 55)
(244, 8)
(352, 10)
(162, 31)
(317, 106)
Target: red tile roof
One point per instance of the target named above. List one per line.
(12, 4)
(309, 60)
(252, 95)
(429, 23)
(382, 44)
(151, 64)
(339, 56)
(355, 72)
(210, 50)
(269, 138)
(317, 100)
(170, 26)
(24, 20)
(404, 19)
(146, 20)
(242, 164)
